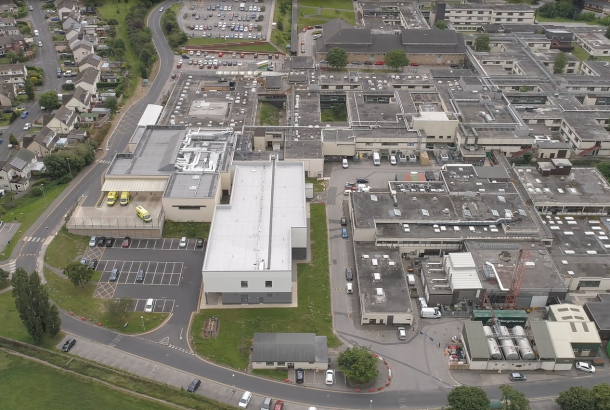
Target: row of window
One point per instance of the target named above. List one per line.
(499, 13)
(268, 284)
(498, 19)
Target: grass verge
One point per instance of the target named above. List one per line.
(313, 315)
(328, 4)
(83, 304)
(26, 210)
(308, 16)
(22, 376)
(12, 326)
(271, 374)
(191, 230)
(318, 186)
(269, 115)
(232, 44)
(114, 377)
(281, 38)
(65, 248)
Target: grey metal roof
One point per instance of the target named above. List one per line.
(491, 172)
(289, 347)
(476, 341)
(544, 342)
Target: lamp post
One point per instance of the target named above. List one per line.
(142, 317)
(69, 168)
(371, 404)
(233, 379)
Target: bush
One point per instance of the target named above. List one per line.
(36, 192)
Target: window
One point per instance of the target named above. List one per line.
(269, 363)
(188, 207)
(244, 283)
(281, 363)
(589, 284)
(268, 284)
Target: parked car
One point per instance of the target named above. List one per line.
(101, 241)
(109, 242)
(93, 241)
(362, 181)
(517, 377)
(402, 333)
(27, 126)
(368, 63)
(140, 276)
(126, 242)
(379, 62)
(585, 367)
(84, 261)
(199, 243)
(25, 114)
(349, 274)
(92, 264)
(344, 233)
(330, 377)
(299, 376)
(114, 275)
(183, 242)
(343, 221)
(279, 405)
(68, 344)
(193, 386)
(54, 18)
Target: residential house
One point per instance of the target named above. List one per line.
(16, 172)
(72, 34)
(80, 101)
(41, 143)
(82, 49)
(13, 73)
(14, 43)
(9, 31)
(93, 60)
(8, 7)
(64, 120)
(65, 7)
(7, 94)
(88, 80)
(289, 351)
(95, 119)
(7, 21)
(82, 38)
(77, 135)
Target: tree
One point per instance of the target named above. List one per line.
(358, 364)
(113, 22)
(13, 140)
(38, 315)
(396, 59)
(29, 89)
(601, 396)
(467, 398)
(3, 276)
(112, 104)
(280, 25)
(575, 398)
(560, 63)
(481, 43)
(78, 274)
(514, 399)
(441, 25)
(607, 35)
(11, 55)
(527, 157)
(117, 308)
(336, 57)
(49, 100)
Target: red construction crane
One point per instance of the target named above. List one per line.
(515, 286)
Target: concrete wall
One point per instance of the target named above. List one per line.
(346, 149)
(154, 232)
(204, 214)
(381, 318)
(312, 166)
(254, 298)
(230, 282)
(573, 282)
(297, 365)
(435, 129)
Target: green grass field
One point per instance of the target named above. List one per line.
(28, 386)
(27, 211)
(328, 4)
(269, 114)
(312, 315)
(65, 248)
(281, 38)
(191, 230)
(308, 16)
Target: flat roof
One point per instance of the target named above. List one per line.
(476, 340)
(544, 342)
(600, 311)
(192, 185)
(151, 115)
(560, 339)
(267, 201)
(381, 279)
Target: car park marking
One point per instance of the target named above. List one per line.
(164, 244)
(157, 273)
(104, 290)
(159, 305)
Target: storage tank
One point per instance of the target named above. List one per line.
(525, 349)
(492, 345)
(508, 347)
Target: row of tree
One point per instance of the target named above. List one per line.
(65, 164)
(174, 34)
(475, 398)
(337, 58)
(140, 36)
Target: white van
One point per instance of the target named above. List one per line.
(350, 288)
(376, 159)
(148, 307)
(411, 279)
(430, 313)
(245, 399)
(36, 34)
(422, 303)
(345, 164)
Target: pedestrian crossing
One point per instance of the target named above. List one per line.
(32, 239)
(104, 161)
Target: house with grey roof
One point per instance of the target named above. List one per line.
(80, 101)
(13, 73)
(289, 351)
(65, 7)
(64, 120)
(15, 173)
(7, 94)
(9, 31)
(8, 7)
(92, 60)
(430, 47)
(88, 80)
(41, 143)
(81, 49)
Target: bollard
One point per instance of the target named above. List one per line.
(380, 388)
(99, 324)
(371, 390)
(84, 319)
(357, 390)
(71, 313)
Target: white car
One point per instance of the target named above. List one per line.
(93, 241)
(161, 10)
(40, 44)
(585, 367)
(27, 126)
(330, 377)
(183, 242)
(198, 53)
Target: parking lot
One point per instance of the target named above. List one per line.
(159, 305)
(227, 20)
(227, 61)
(156, 273)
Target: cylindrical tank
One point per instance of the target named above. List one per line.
(492, 345)
(508, 347)
(525, 349)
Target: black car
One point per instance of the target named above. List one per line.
(140, 276)
(109, 242)
(349, 275)
(517, 377)
(368, 63)
(199, 243)
(114, 275)
(362, 181)
(343, 221)
(126, 242)
(185, 56)
(101, 241)
(92, 265)
(68, 345)
(193, 386)
(299, 375)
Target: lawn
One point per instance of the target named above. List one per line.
(281, 38)
(230, 44)
(191, 230)
(27, 210)
(81, 302)
(5, 120)
(57, 390)
(318, 186)
(329, 115)
(308, 16)
(117, 10)
(13, 327)
(269, 114)
(580, 52)
(65, 248)
(271, 374)
(329, 4)
(313, 315)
